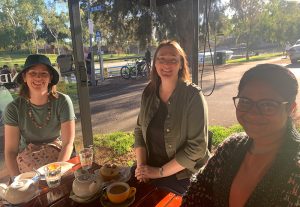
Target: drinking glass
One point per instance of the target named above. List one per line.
(53, 174)
(86, 158)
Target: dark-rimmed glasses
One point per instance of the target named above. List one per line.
(265, 106)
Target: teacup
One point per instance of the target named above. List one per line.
(119, 192)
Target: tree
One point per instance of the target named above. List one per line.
(55, 24)
(132, 21)
(245, 19)
(20, 19)
(278, 25)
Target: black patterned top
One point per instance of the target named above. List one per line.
(280, 186)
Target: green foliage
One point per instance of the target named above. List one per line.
(220, 133)
(119, 142)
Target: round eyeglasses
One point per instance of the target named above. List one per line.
(265, 106)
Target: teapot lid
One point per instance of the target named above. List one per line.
(86, 178)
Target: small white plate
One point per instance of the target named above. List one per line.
(124, 176)
(65, 166)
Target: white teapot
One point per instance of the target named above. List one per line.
(20, 191)
(86, 185)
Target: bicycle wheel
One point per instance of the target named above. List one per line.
(125, 72)
(144, 70)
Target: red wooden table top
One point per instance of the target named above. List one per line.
(147, 195)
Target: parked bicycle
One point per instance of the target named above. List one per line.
(139, 68)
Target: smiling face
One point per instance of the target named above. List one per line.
(263, 127)
(168, 63)
(37, 78)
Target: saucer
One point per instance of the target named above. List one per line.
(85, 200)
(106, 203)
(124, 176)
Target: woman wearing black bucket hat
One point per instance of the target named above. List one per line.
(40, 123)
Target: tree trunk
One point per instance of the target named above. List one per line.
(35, 42)
(57, 45)
(184, 23)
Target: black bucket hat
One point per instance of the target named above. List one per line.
(34, 60)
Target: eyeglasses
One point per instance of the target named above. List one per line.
(265, 107)
(34, 74)
(164, 61)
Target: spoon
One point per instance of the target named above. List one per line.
(38, 176)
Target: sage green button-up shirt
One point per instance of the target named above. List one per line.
(185, 128)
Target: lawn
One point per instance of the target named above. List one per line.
(255, 58)
(11, 59)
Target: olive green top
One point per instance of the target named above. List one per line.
(185, 127)
(16, 114)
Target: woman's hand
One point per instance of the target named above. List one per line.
(147, 172)
(139, 174)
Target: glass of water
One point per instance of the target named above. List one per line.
(53, 174)
(86, 158)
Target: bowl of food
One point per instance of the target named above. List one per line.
(109, 172)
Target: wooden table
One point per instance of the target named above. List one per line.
(147, 195)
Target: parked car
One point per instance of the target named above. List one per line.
(294, 52)
(209, 56)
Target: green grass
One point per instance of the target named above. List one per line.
(255, 58)
(220, 133)
(119, 142)
(11, 59)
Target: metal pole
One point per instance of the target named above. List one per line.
(195, 5)
(80, 72)
(100, 60)
(215, 50)
(93, 81)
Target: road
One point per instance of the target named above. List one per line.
(115, 105)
